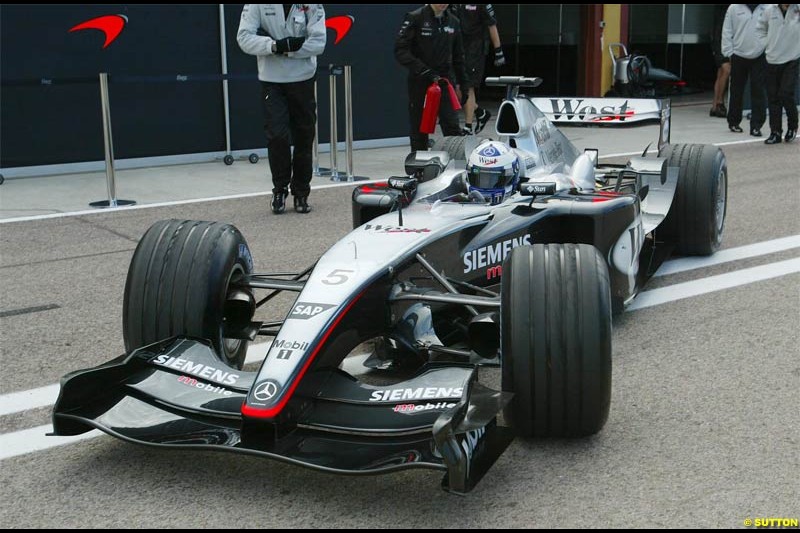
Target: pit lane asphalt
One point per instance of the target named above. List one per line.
(704, 429)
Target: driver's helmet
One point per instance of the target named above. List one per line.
(493, 171)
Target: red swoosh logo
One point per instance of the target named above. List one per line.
(341, 25)
(110, 25)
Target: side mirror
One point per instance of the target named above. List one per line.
(403, 184)
(530, 188)
(593, 154)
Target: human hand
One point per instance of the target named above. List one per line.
(289, 44)
(499, 58)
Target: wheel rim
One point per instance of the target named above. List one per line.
(230, 346)
(720, 200)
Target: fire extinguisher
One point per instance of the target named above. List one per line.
(430, 109)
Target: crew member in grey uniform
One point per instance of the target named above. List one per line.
(742, 45)
(779, 29)
(286, 39)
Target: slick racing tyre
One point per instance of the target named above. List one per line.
(696, 218)
(180, 283)
(555, 323)
(455, 146)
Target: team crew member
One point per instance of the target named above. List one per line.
(479, 29)
(742, 45)
(430, 46)
(286, 39)
(779, 28)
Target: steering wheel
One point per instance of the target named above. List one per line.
(638, 69)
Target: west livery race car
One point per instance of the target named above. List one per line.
(375, 366)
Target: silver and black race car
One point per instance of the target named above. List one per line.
(375, 366)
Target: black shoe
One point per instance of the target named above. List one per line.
(481, 119)
(301, 204)
(774, 138)
(755, 132)
(278, 203)
(718, 111)
(735, 129)
(790, 135)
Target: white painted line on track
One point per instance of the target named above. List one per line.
(28, 399)
(673, 266)
(173, 203)
(36, 439)
(697, 287)
(263, 193)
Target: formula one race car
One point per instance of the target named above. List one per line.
(512, 255)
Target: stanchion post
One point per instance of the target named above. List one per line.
(315, 146)
(108, 143)
(348, 110)
(348, 113)
(334, 126)
(317, 170)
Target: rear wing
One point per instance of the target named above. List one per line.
(609, 111)
(597, 111)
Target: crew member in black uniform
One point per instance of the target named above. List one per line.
(479, 29)
(430, 46)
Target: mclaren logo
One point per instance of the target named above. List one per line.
(340, 25)
(110, 25)
(265, 391)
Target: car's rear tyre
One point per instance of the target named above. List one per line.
(455, 146)
(696, 219)
(555, 336)
(180, 284)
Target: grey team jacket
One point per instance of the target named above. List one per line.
(304, 20)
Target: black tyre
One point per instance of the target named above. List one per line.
(696, 219)
(454, 146)
(253, 158)
(228, 160)
(180, 283)
(555, 338)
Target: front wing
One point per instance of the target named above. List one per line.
(176, 394)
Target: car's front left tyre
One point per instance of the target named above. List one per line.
(555, 337)
(182, 282)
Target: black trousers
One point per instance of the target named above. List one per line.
(448, 120)
(741, 70)
(290, 117)
(781, 86)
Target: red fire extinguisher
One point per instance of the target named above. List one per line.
(430, 109)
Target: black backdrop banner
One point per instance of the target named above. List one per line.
(49, 89)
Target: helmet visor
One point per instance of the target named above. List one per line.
(487, 179)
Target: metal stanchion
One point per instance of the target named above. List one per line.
(348, 111)
(317, 170)
(109, 150)
(334, 123)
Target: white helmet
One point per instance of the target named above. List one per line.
(493, 170)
